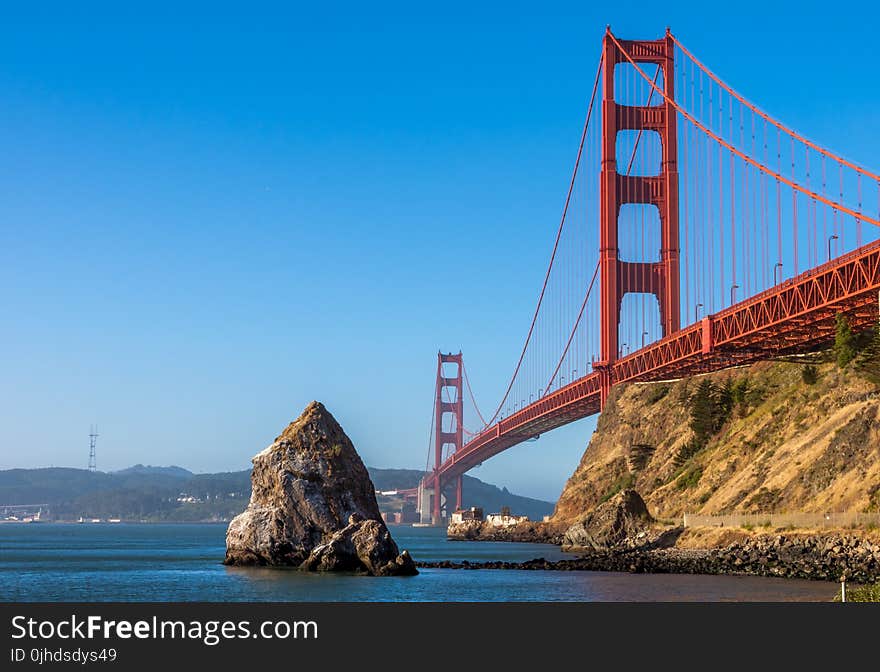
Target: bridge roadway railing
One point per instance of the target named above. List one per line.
(575, 400)
(793, 315)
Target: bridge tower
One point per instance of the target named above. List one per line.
(448, 416)
(660, 278)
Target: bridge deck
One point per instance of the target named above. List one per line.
(795, 315)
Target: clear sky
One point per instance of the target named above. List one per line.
(211, 216)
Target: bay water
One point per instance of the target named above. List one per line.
(97, 562)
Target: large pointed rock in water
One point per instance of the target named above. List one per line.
(313, 506)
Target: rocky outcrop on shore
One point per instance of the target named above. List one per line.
(313, 506)
(816, 556)
(527, 531)
(623, 516)
(620, 535)
(622, 521)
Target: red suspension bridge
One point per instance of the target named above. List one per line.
(698, 233)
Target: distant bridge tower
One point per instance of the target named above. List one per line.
(93, 440)
(660, 278)
(448, 415)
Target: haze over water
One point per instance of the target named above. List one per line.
(164, 563)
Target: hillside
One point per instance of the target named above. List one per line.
(176, 495)
(139, 493)
(179, 472)
(780, 437)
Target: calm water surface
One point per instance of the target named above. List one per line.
(170, 563)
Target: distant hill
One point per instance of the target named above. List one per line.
(474, 493)
(174, 494)
(178, 472)
(138, 493)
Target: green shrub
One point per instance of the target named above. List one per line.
(624, 482)
(656, 393)
(755, 396)
(690, 478)
(739, 389)
(870, 593)
(810, 374)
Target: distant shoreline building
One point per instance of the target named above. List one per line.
(465, 515)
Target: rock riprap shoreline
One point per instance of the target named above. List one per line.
(313, 506)
(820, 557)
(813, 556)
(620, 535)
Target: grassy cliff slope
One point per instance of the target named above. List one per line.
(772, 437)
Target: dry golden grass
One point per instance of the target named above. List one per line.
(797, 448)
(719, 537)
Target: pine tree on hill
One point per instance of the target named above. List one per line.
(867, 362)
(702, 409)
(724, 400)
(710, 406)
(844, 341)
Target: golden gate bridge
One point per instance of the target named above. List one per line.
(698, 233)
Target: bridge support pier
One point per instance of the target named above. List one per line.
(428, 503)
(425, 503)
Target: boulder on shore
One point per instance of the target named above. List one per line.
(527, 531)
(313, 506)
(622, 517)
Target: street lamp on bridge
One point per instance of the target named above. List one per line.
(777, 266)
(697, 312)
(733, 289)
(644, 333)
(830, 238)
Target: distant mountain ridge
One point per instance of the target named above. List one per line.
(174, 494)
(173, 470)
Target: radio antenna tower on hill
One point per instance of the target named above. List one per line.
(93, 439)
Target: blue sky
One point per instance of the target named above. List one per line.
(211, 216)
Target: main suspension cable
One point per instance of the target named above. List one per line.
(555, 244)
(729, 147)
(766, 117)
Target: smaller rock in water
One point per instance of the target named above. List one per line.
(313, 506)
(362, 544)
